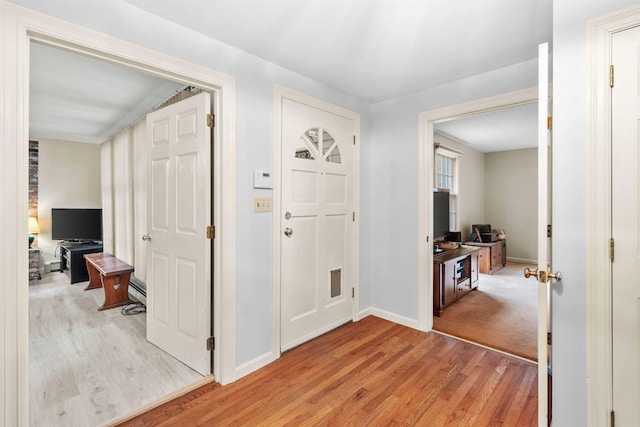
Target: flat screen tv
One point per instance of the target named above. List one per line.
(440, 214)
(76, 224)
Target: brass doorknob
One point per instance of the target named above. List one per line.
(288, 232)
(542, 276)
(146, 237)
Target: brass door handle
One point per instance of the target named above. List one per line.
(542, 276)
(146, 237)
(288, 232)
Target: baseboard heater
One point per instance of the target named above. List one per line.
(143, 292)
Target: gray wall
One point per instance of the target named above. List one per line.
(511, 191)
(69, 177)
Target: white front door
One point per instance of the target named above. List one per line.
(317, 221)
(179, 210)
(625, 216)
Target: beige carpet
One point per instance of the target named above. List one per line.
(501, 314)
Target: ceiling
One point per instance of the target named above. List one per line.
(513, 128)
(372, 49)
(86, 99)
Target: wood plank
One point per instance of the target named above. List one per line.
(372, 372)
(88, 367)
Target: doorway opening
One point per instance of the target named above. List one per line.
(83, 361)
(489, 161)
(25, 27)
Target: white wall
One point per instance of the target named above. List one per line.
(69, 177)
(471, 185)
(511, 189)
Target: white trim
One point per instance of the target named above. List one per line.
(392, 317)
(533, 362)
(21, 25)
(522, 260)
(280, 93)
(426, 122)
(156, 403)
(599, 316)
(255, 364)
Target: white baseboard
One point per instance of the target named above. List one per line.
(255, 364)
(392, 317)
(522, 260)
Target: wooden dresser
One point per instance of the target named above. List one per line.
(493, 256)
(455, 273)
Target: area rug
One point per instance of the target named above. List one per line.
(501, 314)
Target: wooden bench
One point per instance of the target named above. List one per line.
(112, 275)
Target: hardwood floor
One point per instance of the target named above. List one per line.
(372, 372)
(87, 367)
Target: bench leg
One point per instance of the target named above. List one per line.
(116, 291)
(94, 277)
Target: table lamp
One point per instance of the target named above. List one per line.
(33, 229)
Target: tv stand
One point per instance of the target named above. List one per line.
(72, 262)
(455, 273)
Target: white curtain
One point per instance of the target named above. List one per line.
(123, 196)
(124, 200)
(140, 199)
(107, 196)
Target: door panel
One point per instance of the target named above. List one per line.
(317, 237)
(625, 228)
(179, 280)
(544, 242)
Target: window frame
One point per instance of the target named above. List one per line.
(454, 196)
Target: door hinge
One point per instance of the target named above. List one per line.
(211, 343)
(211, 232)
(549, 122)
(353, 216)
(612, 249)
(611, 75)
(211, 120)
(354, 140)
(353, 292)
(548, 230)
(613, 419)
(548, 338)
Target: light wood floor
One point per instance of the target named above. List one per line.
(369, 373)
(87, 367)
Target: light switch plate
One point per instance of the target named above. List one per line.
(262, 204)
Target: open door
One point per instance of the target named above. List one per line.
(543, 272)
(179, 212)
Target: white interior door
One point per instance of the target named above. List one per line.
(544, 242)
(179, 210)
(625, 216)
(317, 224)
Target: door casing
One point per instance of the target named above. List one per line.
(280, 93)
(427, 120)
(21, 26)
(598, 194)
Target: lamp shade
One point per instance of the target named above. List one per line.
(33, 225)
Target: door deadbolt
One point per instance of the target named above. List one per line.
(287, 215)
(288, 232)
